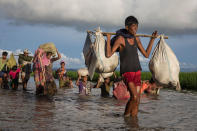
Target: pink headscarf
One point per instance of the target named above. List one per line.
(45, 60)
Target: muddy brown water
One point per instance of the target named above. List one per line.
(68, 111)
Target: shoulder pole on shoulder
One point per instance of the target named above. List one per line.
(137, 35)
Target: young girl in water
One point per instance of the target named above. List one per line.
(14, 76)
(150, 87)
(84, 85)
(64, 80)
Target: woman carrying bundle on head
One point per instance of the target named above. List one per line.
(43, 73)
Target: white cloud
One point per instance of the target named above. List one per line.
(142, 58)
(169, 16)
(70, 62)
(188, 65)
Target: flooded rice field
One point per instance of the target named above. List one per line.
(68, 111)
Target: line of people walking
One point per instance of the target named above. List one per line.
(125, 42)
(10, 77)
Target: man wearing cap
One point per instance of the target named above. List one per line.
(25, 61)
(3, 70)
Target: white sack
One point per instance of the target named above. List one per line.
(94, 54)
(164, 65)
(83, 72)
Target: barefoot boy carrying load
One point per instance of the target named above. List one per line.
(126, 43)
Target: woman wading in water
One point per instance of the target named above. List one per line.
(43, 73)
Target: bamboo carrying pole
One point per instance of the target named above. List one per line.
(18, 55)
(138, 35)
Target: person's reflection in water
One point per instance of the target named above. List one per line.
(43, 113)
(132, 123)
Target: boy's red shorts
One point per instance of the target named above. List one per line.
(134, 77)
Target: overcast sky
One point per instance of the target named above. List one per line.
(28, 23)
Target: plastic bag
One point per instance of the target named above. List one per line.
(120, 91)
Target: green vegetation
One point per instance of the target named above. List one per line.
(73, 75)
(146, 76)
(188, 80)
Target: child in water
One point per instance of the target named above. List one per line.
(84, 85)
(64, 80)
(14, 76)
(150, 87)
(104, 86)
(67, 81)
